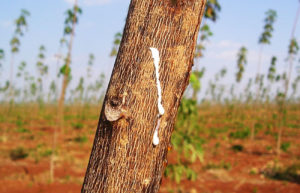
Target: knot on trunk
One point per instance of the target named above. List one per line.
(114, 108)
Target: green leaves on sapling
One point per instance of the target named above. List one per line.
(242, 61)
(5, 87)
(186, 142)
(293, 47)
(21, 26)
(42, 68)
(90, 64)
(205, 33)
(178, 171)
(21, 69)
(15, 43)
(211, 10)
(21, 23)
(116, 44)
(71, 19)
(272, 70)
(195, 79)
(65, 70)
(2, 56)
(265, 37)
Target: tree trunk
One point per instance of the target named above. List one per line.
(124, 157)
(11, 88)
(65, 82)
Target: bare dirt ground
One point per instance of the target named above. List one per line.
(243, 169)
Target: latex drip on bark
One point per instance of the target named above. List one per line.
(161, 110)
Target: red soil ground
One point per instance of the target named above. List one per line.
(244, 171)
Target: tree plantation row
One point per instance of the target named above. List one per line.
(25, 86)
(165, 125)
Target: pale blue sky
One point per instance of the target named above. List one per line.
(240, 23)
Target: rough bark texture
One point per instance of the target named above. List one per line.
(123, 158)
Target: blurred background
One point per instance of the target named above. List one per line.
(238, 125)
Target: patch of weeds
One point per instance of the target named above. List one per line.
(81, 139)
(221, 165)
(40, 152)
(179, 171)
(22, 130)
(268, 147)
(258, 126)
(290, 173)
(19, 122)
(189, 146)
(225, 138)
(269, 125)
(285, 146)
(269, 132)
(219, 130)
(274, 116)
(217, 145)
(239, 125)
(40, 145)
(18, 153)
(48, 117)
(69, 117)
(253, 171)
(46, 153)
(77, 126)
(240, 134)
(214, 131)
(294, 126)
(237, 148)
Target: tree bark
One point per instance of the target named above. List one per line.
(123, 157)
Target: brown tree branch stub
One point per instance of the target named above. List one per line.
(123, 158)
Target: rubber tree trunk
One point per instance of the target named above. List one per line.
(123, 157)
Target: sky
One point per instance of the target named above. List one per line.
(240, 23)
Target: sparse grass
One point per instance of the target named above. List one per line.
(289, 173)
(19, 122)
(285, 146)
(77, 125)
(221, 165)
(253, 171)
(22, 130)
(240, 134)
(179, 171)
(46, 153)
(81, 139)
(268, 148)
(237, 148)
(18, 153)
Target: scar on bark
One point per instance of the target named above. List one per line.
(114, 108)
